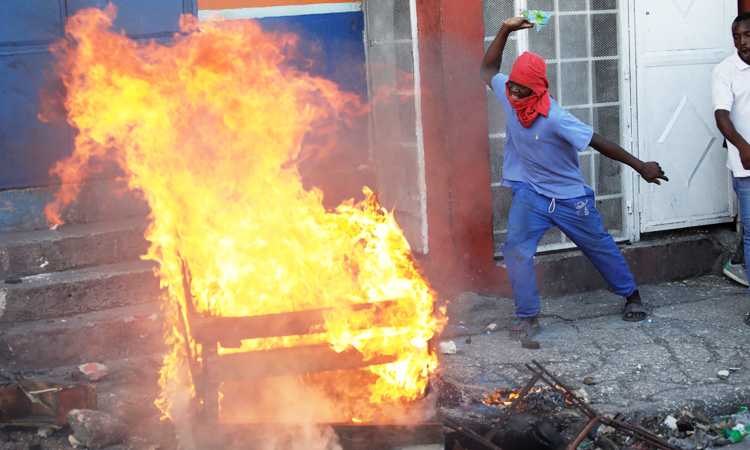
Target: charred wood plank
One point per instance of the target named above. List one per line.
(423, 435)
(229, 331)
(390, 436)
(285, 361)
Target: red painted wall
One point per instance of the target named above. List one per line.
(743, 5)
(454, 112)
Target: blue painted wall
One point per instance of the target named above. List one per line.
(332, 43)
(29, 147)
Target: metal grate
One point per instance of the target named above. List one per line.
(398, 150)
(583, 66)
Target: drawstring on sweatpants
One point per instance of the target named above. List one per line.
(551, 208)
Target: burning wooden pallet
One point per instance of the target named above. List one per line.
(212, 333)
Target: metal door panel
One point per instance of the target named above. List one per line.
(678, 42)
(28, 147)
(139, 17)
(333, 43)
(16, 16)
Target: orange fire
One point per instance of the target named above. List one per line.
(505, 397)
(208, 128)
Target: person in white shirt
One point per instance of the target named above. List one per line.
(730, 88)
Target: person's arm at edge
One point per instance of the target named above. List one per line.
(650, 171)
(494, 56)
(726, 126)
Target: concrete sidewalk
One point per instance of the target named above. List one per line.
(657, 367)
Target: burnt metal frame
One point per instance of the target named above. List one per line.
(541, 373)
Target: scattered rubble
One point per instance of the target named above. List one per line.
(96, 429)
(448, 348)
(555, 417)
(93, 371)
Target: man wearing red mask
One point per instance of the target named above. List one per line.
(541, 167)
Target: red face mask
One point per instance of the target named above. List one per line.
(529, 70)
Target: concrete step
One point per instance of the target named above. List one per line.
(99, 336)
(98, 200)
(61, 294)
(32, 252)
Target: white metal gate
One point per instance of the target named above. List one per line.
(675, 46)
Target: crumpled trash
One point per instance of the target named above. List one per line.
(737, 428)
(537, 18)
(670, 422)
(682, 444)
(742, 416)
(448, 348)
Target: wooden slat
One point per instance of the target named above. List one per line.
(231, 330)
(422, 435)
(284, 361)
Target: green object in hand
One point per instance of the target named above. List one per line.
(538, 18)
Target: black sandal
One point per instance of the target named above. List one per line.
(525, 329)
(634, 312)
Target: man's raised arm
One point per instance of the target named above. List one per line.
(494, 56)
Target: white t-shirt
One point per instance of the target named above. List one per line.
(730, 88)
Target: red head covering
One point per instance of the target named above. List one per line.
(529, 70)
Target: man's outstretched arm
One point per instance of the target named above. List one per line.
(494, 56)
(650, 171)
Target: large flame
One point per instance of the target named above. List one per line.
(209, 128)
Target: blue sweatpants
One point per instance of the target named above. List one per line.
(741, 187)
(531, 215)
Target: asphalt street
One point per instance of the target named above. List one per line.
(690, 353)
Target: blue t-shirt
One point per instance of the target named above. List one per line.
(545, 155)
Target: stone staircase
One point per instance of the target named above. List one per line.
(79, 293)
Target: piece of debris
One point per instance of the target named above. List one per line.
(73, 441)
(723, 374)
(700, 418)
(605, 443)
(93, 371)
(448, 348)
(528, 343)
(589, 381)
(548, 435)
(582, 395)
(492, 326)
(96, 429)
(42, 405)
(12, 280)
(670, 422)
(468, 340)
